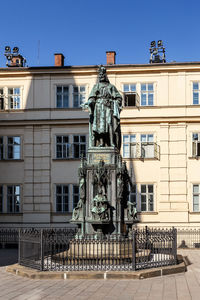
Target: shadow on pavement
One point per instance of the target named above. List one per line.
(8, 256)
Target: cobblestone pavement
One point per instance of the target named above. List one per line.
(180, 286)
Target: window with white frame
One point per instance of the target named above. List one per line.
(75, 195)
(196, 90)
(147, 145)
(133, 195)
(14, 98)
(1, 198)
(13, 147)
(79, 95)
(130, 95)
(62, 146)
(1, 99)
(196, 194)
(79, 146)
(147, 94)
(62, 198)
(62, 96)
(195, 144)
(147, 197)
(1, 148)
(129, 146)
(13, 198)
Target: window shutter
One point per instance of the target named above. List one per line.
(137, 102)
(194, 149)
(156, 151)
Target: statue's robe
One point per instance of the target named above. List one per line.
(105, 104)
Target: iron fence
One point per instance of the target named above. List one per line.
(9, 236)
(154, 247)
(64, 250)
(188, 238)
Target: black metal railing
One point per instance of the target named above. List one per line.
(188, 238)
(9, 236)
(154, 247)
(65, 250)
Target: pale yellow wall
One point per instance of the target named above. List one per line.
(172, 120)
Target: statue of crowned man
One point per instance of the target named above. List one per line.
(104, 105)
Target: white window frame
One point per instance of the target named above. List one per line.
(130, 145)
(80, 94)
(196, 144)
(197, 91)
(63, 145)
(145, 145)
(62, 86)
(16, 103)
(2, 99)
(13, 198)
(147, 195)
(147, 92)
(195, 194)
(79, 143)
(130, 91)
(13, 145)
(133, 194)
(62, 195)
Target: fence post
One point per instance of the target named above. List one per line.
(134, 250)
(146, 238)
(175, 244)
(19, 245)
(42, 250)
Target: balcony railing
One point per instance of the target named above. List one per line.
(145, 150)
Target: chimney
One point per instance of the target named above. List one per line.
(59, 59)
(110, 56)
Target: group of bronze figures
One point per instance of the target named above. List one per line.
(104, 185)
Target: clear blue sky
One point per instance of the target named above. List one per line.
(83, 30)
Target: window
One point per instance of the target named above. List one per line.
(62, 146)
(129, 146)
(196, 90)
(130, 94)
(196, 193)
(147, 94)
(1, 99)
(78, 95)
(62, 198)
(79, 146)
(13, 198)
(13, 146)
(1, 148)
(75, 195)
(133, 195)
(1, 198)
(147, 145)
(195, 144)
(147, 196)
(14, 98)
(62, 96)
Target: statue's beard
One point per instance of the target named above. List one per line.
(103, 79)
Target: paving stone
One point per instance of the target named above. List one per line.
(184, 286)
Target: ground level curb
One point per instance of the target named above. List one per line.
(34, 274)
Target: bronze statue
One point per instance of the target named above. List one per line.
(101, 179)
(131, 211)
(104, 104)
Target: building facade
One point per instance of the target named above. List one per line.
(43, 132)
